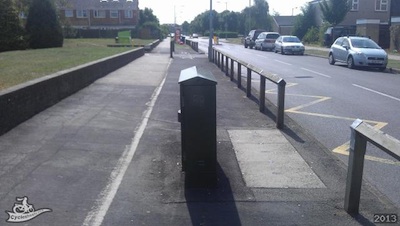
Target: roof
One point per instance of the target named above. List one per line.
(99, 4)
(285, 20)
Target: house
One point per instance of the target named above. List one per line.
(371, 18)
(283, 24)
(99, 14)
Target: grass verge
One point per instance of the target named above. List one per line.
(20, 66)
(394, 64)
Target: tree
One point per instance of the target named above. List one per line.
(149, 25)
(43, 26)
(257, 16)
(334, 11)
(304, 21)
(11, 31)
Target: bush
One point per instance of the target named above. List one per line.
(11, 32)
(312, 35)
(42, 25)
(395, 36)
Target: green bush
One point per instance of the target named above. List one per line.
(11, 32)
(42, 25)
(395, 36)
(312, 35)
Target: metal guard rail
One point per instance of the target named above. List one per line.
(361, 133)
(218, 58)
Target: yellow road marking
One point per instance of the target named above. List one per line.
(344, 148)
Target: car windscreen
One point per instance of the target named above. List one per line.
(364, 43)
(291, 39)
(272, 36)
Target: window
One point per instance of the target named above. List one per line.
(114, 13)
(381, 5)
(354, 5)
(69, 13)
(99, 13)
(128, 14)
(82, 13)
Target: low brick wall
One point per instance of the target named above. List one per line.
(22, 102)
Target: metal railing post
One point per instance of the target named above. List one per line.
(232, 69)
(281, 104)
(248, 89)
(239, 78)
(222, 62)
(219, 59)
(358, 145)
(226, 66)
(262, 94)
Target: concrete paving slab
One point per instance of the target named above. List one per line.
(268, 160)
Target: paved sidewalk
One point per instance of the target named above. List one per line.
(110, 155)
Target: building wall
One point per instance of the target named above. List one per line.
(105, 21)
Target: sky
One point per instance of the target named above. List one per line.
(186, 10)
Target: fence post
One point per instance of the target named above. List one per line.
(222, 62)
(281, 104)
(248, 89)
(262, 93)
(219, 59)
(358, 145)
(239, 78)
(226, 66)
(232, 69)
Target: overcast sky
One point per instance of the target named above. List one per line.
(189, 9)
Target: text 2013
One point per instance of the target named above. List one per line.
(386, 218)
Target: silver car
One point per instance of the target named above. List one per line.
(289, 44)
(358, 52)
(266, 40)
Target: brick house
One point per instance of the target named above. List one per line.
(370, 18)
(100, 14)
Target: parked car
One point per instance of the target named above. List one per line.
(249, 41)
(266, 40)
(358, 52)
(194, 35)
(289, 44)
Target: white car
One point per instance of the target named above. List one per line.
(266, 40)
(289, 44)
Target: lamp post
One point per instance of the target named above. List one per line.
(210, 57)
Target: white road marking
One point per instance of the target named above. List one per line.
(377, 92)
(282, 62)
(324, 75)
(96, 216)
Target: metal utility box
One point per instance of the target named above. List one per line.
(198, 128)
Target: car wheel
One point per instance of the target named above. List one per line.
(251, 47)
(262, 48)
(275, 50)
(350, 62)
(245, 45)
(283, 53)
(331, 59)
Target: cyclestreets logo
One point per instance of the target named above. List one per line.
(24, 211)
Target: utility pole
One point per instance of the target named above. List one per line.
(210, 57)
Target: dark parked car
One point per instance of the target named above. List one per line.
(249, 41)
(358, 52)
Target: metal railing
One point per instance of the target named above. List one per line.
(193, 44)
(218, 59)
(361, 133)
